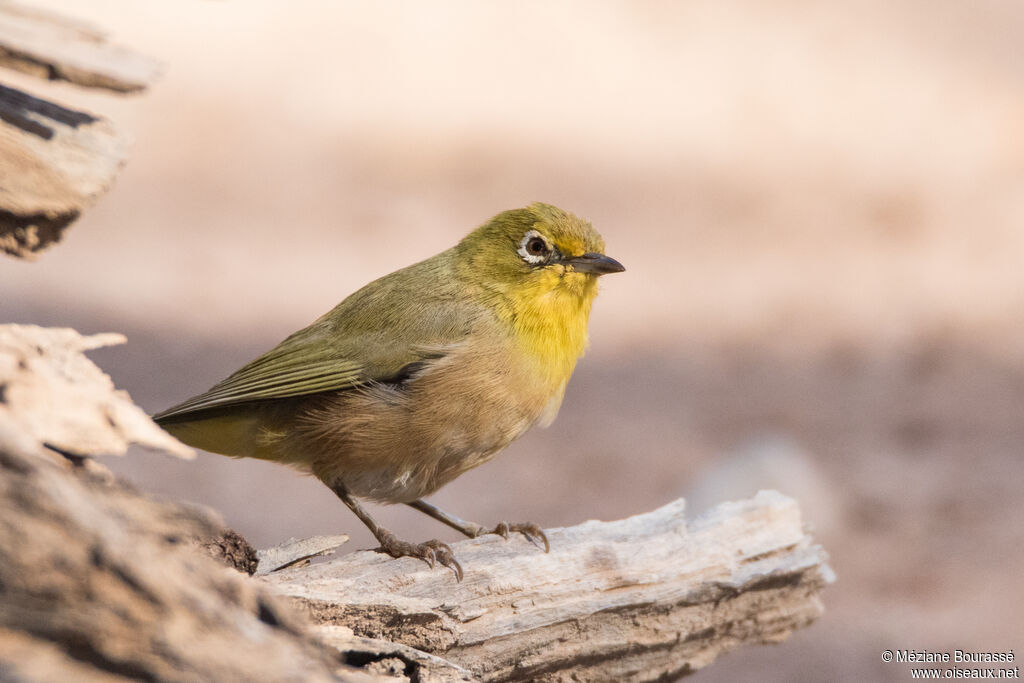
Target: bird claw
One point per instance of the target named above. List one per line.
(531, 531)
(444, 556)
(430, 552)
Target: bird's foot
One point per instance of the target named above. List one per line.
(429, 552)
(534, 534)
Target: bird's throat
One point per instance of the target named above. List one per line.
(551, 326)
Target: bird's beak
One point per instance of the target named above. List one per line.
(593, 262)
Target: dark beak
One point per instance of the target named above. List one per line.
(595, 263)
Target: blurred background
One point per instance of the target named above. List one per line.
(820, 207)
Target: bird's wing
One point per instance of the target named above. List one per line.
(382, 333)
(308, 362)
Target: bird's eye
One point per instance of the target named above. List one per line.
(536, 247)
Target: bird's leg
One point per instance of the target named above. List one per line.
(532, 532)
(393, 546)
(470, 529)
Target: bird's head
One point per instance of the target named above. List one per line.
(536, 251)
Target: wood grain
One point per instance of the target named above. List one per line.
(56, 47)
(651, 597)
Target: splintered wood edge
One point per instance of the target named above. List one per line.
(293, 552)
(55, 47)
(55, 162)
(62, 399)
(356, 649)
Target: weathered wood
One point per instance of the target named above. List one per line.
(93, 575)
(645, 598)
(99, 583)
(294, 552)
(59, 48)
(387, 658)
(54, 162)
(59, 397)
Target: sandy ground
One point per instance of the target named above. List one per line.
(819, 206)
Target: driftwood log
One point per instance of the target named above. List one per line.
(54, 160)
(651, 597)
(98, 582)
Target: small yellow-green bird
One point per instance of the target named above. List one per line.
(421, 375)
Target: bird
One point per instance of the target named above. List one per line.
(421, 375)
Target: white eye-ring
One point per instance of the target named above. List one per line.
(534, 248)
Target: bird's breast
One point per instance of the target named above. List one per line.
(399, 443)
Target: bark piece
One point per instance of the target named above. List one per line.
(54, 162)
(232, 550)
(651, 597)
(58, 396)
(294, 552)
(55, 47)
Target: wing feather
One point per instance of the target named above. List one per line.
(255, 384)
(360, 341)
